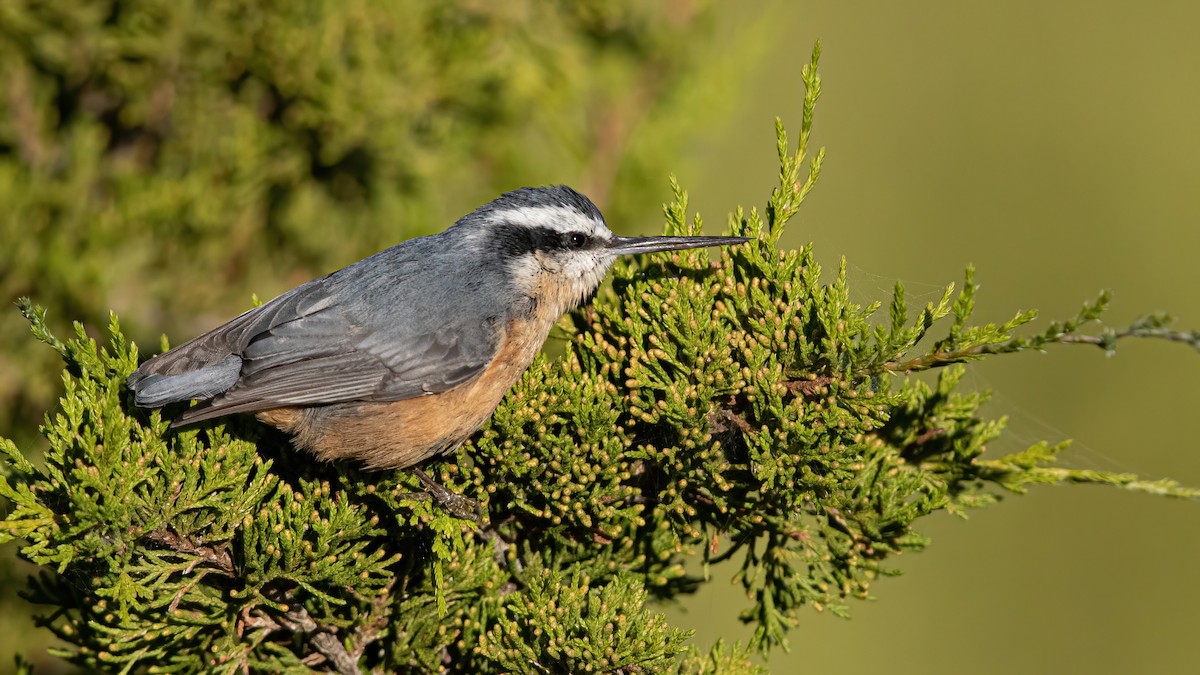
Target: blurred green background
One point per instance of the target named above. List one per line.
(1055, 146)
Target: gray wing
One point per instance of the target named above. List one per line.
(347, 337)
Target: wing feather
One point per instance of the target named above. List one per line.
(339, 339)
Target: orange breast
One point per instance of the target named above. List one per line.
(396, 434)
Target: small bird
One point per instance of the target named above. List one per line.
(404, 354)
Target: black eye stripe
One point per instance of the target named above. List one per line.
(515, 240)
(553, 240)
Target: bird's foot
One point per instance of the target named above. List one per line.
(455, 504)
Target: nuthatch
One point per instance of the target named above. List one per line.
(404, 354)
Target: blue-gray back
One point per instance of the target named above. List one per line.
(417, 318)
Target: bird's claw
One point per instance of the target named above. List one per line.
(455, 504)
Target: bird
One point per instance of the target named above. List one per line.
(403, 355)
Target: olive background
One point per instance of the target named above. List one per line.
(1055, 146)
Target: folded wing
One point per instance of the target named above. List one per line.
(319, 344)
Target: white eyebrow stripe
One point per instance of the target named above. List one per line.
(557, 218)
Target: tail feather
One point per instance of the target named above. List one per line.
(155, 390)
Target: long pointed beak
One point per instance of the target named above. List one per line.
(624, 245)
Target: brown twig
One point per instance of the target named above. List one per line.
(217, 556)
(721, 420)
(298, 621)
(1189, 337)
(929, 435)
(330, 646)
(807, 388)
(1106, 341)
(941, 358)
(373, 625)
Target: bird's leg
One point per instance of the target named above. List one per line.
(457, 505)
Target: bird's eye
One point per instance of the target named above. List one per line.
(576, 240)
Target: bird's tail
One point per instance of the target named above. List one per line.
(154, 390)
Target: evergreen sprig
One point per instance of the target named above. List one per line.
(729, 407)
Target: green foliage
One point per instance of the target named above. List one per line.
(739, 399)
(554, 628)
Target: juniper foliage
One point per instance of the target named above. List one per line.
(738, 407)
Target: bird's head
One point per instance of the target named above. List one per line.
(556, 246)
